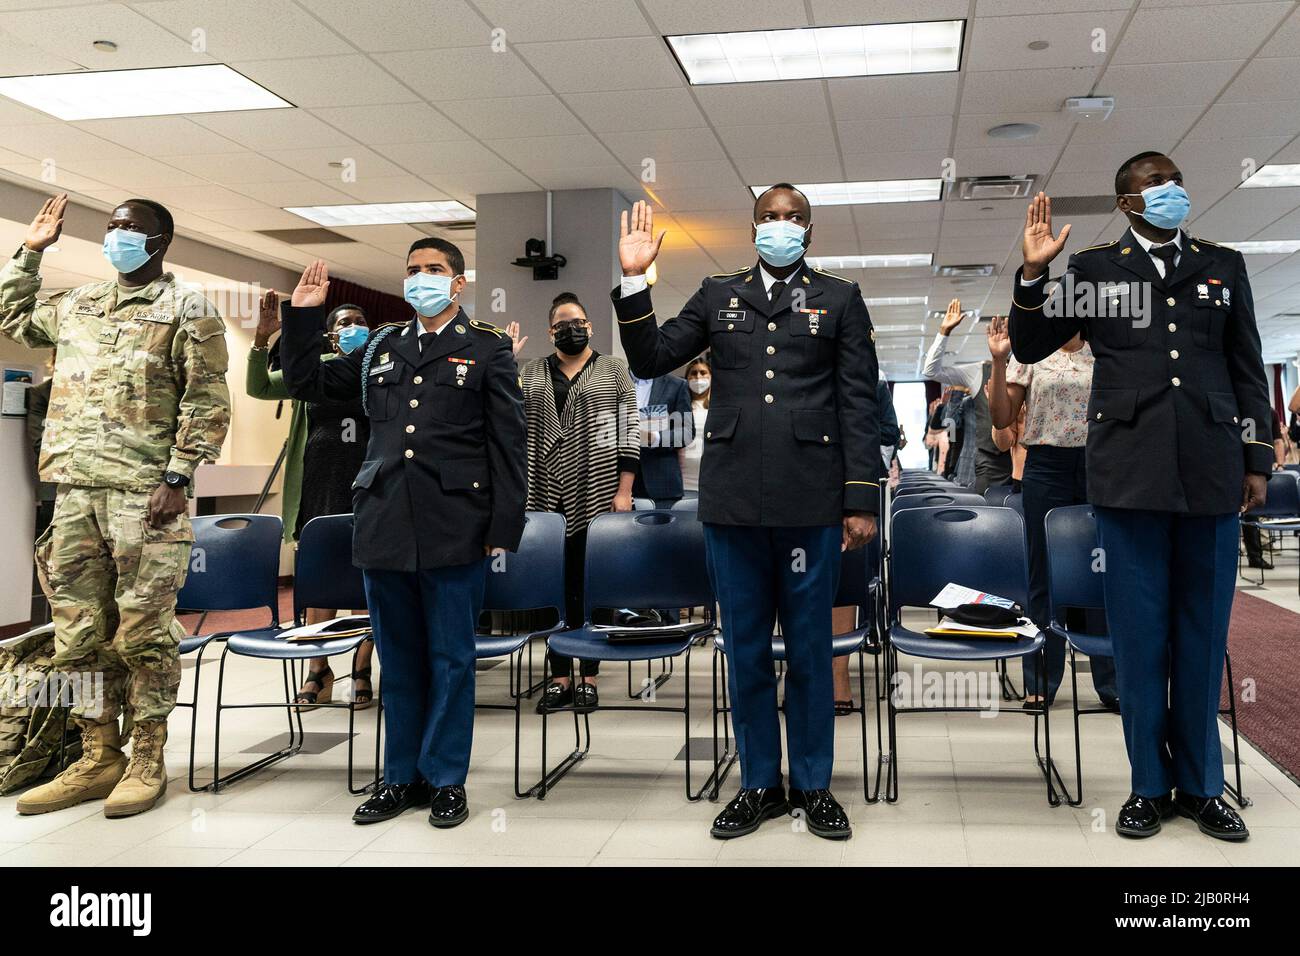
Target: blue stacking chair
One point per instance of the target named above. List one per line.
(531, 578)
(860, 587)
(634, 559)
(980, 547)
(998, 494)
(691, 505)
(936, 499)
(234, 566)
(643, 504)
(906, 488)
(1282, 504)
(324, 577)
(1074, 582)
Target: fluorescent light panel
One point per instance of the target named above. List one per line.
(862, 193)
(384, 213)
(164, 91)
(1275, 247)
(905, 260)
(809, 53)
(1274, 174)
(886, 300)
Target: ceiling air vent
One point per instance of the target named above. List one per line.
(303, 237)
(964, 271)
(984, 188)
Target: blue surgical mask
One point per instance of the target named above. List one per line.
(428, 294)
(352, 337)
(124, 249)
(779, 243)
(1166, 205)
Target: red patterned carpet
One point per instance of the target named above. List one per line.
(1264, 640)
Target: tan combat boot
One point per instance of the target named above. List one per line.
(145, 780)
(92, 777)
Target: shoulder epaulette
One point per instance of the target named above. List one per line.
(1101, 245)
(724, 275)
(487, 327)
(1207, 242)
(832, 275)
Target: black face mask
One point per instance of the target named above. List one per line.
(571, 339)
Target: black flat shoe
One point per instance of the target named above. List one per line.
(822, 812)
(748, 809)
(1140, 816)
(1261, 564)
(391, 800)
(449, 807)
(1214, 817)
(554, 697)
(1111, 704)
(585, 697)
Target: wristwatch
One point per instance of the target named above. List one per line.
(174, 479)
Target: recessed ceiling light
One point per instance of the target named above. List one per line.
(1275, 174)
(820, 52)
(888, 300)
(1255, 247)
(1038, 44)
(905, 260)
(861, 193)
(1014, 131)
(165, 91)
(384, 213)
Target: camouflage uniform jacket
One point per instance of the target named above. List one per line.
(139, 382)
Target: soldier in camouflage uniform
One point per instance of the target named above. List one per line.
(139, 400)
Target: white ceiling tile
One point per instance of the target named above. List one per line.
(272, 129)
(1007, 8)
(205, 200)
(870, 164)
(579, 66)
(394, 25)
(717, 16)
(397, 123)
(664, 145)
(60, 178)
(1263, 79)
(972, 129)
(353, 80)
(230, 169)
(563, 19)
(637, 110)
(389, 189)
(893, 135)
(706, 199)
(463, 73)
(428, 160)
(693, 174)
(21, 58)
(1157, 85)
(1002, 43)
(133, 171)
(867, 98)
(259, 219)
(302, 192)
(1238, 120)
(246, 29)
(473, 182)
(512, 116)
(585, 177)
(1037, 91)
(358, 161)
(160, 135)
(787, 139)
(1286, 41)
(1228, 31)
(1166, 124)
(1005, 160)
(753, 104)
(69, 32)
(60, 142)
(811, 167)
(852, 12)
(534, 153)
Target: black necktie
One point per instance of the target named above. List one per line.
(426, 339)
(1166, 254)
(775, 292)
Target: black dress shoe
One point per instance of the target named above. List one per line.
(391, 800)
(1214, 817)
(1141, 816)
(585, 697)
(748, 809)
(555, 696)
(1111, 704)
(449, 807)
(1261, 564)
(822, 812)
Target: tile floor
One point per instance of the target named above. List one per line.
(970, 795)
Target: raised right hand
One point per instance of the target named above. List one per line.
(951, 318)
(1039, 246)
(313, 285)
(999, 338)
(268, 318)
(637, 245)
(45, 228)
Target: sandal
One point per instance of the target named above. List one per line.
(844, 708)
(311, 699)
(361, 699)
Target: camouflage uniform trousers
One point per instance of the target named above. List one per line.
(112, 580)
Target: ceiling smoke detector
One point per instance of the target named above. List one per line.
(1092, 109)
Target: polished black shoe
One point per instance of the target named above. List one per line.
(391, 800)
(449, 807)
(555, 696)
(748, 809)
(1214, 817)
(822, 812)
(1141, 816)
(1111, 704)
(1261, 564)
(585, 697)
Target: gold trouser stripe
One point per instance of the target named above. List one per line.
(872, 483)
(630, 321)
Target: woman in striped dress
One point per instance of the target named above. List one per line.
(583, 447)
